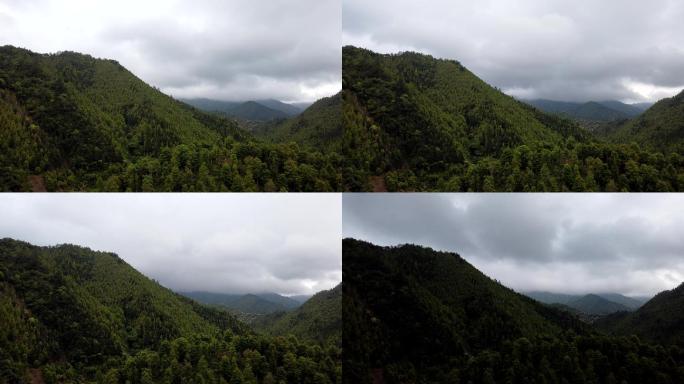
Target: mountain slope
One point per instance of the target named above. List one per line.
(416, 123)
(318, 319)
(660, 320)
(661, 127)
(319, 126)
(73, 122)
(433, 301)
(415, 315)
(72, 315)
(596, 305)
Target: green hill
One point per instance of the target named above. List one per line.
(415, 315)
(413, 122)
(318, 319)
(74, 122)
(661, 127)
(660, 320)
(319, 126)
(70, 314)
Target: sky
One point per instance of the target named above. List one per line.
(565, 243)
(628, 50)
(228, 50)
(225, 243)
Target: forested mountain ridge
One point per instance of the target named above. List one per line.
(80, 123)
(597, 304)
(260, 304)
(592, 111)
(319, 319)
(660, 320)
(413, 122)
(661, 127)
(70, 314)
(463, 327)
(319, 126)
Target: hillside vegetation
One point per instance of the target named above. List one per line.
(413, 122)
(73, 122)
(415, 315)
(70, 314)
(319, 319)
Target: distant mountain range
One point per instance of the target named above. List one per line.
(592, 304)
(252, 110)
(603, 111)
(260, 304)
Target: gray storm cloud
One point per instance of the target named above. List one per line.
(233, 243)
(230, 50)
(631, 244)
(629, 50)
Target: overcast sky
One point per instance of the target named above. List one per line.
(224, 49)
(630, 50)
(566, 243)
(231, 243)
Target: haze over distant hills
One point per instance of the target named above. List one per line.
(261, 304)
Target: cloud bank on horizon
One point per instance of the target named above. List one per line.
(229, 50)
(566, 243)
(226, 243)
(628, 50)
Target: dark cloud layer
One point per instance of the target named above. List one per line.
(629, 50)
(631, 244)
(224, 243)
(232, 50)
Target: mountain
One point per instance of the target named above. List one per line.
(660, 320)
(596, 305)
(624, 303)
(416, 123)
(661, 127)
(288, 109)
(300, 298)
(592, 111)
(319, 126)
(259, 110)
(252, 110)
(71, 314)
(260, 304)
(416, 315)
(71, 122)
(318, 319)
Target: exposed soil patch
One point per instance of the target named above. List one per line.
(37, 183)
(378, 183)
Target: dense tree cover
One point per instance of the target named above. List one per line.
(592, 111)
(660, 320)
(318, 319)
(70, 314)
(415, 315)
(319, 126)
(661, 127)
(79, 123)
(419, 123)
